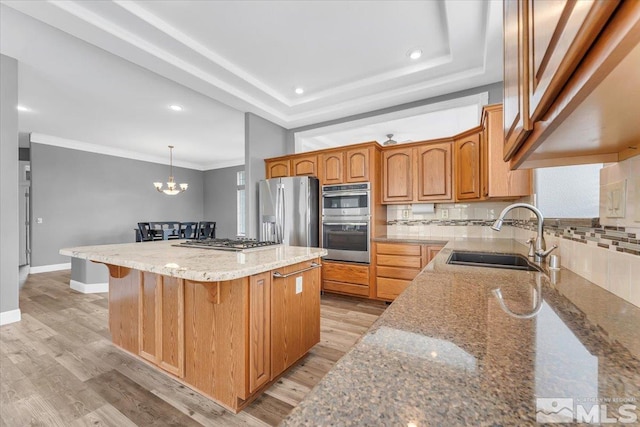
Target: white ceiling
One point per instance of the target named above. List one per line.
(349, 56)
(432, 121)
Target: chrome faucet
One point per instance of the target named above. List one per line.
(541, 251)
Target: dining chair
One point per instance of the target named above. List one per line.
(146, 232)
(171, 229)
(188, 230)
(206, 230)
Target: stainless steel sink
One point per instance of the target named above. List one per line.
(493, 260)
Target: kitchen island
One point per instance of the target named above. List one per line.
(448, 352)
(227, 324)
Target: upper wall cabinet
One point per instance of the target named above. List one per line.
(517, 124)
(339, 167)
(468, 178)
(499, 181)
(277, 168)
(307, 165)
(357, 165)
(568, 69)
(332, 167)
(434, 172)
(397, 175)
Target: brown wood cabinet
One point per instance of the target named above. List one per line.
(277, 168)
(434, 172)
(468, 167)
(345, 278)
(564, 64)
(517, 123)
(295, 315)
(357, 165)
(161, 322)
(228, 339)
(397, 175)
(259, 330)
(499, 181)
(307, 165)
(332, 167)
(397, 264)
(559, 35)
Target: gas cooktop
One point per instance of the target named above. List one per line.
(236, 245)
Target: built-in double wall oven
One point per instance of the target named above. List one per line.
(346, 222)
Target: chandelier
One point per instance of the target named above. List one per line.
(172, 188)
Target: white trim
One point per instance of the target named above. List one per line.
(10, 316)
(224, 164)
(89, 288)
(109, 151)
(50, 267)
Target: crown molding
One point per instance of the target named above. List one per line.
(55, 141)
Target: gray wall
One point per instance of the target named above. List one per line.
(495, 97)
(88, 272)
(220, 199)
(263, 139)
(9, 242)
(87, 198)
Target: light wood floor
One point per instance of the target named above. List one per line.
(59, 368)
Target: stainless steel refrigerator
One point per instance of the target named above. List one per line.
(289, 210)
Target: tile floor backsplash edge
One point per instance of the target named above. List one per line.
(606, 256)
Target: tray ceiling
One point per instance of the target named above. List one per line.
(349, 56)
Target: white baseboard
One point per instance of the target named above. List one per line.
(10, 316)
(48, 268)
(89, 288)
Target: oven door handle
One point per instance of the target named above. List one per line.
(345, 223)
(364, 193)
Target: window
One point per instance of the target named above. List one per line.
(240, 208)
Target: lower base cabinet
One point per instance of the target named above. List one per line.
(227, 340)
(345, 278)
(397, 264)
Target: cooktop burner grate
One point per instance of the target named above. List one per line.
(226, 244)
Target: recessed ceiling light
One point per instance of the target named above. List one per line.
(175, 107)
(415, 53)
(23, 108)
(299, 90)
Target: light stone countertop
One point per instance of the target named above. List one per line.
(446, 353)
(203, 265)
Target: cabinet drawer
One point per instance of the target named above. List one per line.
(399, 261)
(398, 249)
(345, 288)
(390, 288)
(397, 272)
(349, 273)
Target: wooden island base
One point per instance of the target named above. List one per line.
(228, 340)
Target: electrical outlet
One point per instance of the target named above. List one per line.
(444, 213)
(298, 284)
(38, 220)
(405, 213)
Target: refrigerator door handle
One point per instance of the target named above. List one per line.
(283, 216)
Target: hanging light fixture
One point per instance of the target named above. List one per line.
(172, 188)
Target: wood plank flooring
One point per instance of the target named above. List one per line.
(59, 368)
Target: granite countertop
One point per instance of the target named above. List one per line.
(446, 352)
(204, 265)
(424, 240)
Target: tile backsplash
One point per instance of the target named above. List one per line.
(608, 256)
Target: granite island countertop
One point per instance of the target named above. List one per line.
(204, 265)
(447, 353)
